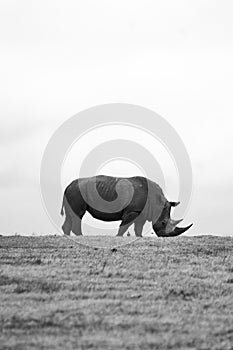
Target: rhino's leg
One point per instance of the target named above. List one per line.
(127, 221)
(138, 227)
(76, 224)
(122, 229)
(66, 227)
(72, 221)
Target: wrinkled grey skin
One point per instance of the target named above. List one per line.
(75, 207)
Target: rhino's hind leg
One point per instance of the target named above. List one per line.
(127, 221)
(76, 225)
(66, 227)
(122, 229)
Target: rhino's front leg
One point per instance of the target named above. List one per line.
(138, 227)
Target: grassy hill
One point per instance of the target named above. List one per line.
(172, 293)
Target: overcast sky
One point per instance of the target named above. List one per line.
(59, 57)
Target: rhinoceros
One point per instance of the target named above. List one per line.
(133, 200)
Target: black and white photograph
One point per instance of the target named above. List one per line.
(116, 124)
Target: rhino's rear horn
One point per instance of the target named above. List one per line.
(174, 204)
(175, 222)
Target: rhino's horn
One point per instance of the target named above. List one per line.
(178, 231)
(175, 222)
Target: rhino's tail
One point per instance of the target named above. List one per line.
(62, 207)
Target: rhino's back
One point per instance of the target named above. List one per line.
(108, 187)
(106, 194)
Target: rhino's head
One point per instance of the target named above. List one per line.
(165, 226)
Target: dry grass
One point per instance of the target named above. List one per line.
(154, 294)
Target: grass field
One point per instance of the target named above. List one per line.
(172, 293)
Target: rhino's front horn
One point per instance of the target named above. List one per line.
(178, 231)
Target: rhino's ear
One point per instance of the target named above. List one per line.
(174, 204)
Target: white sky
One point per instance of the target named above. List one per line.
(59, 57)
